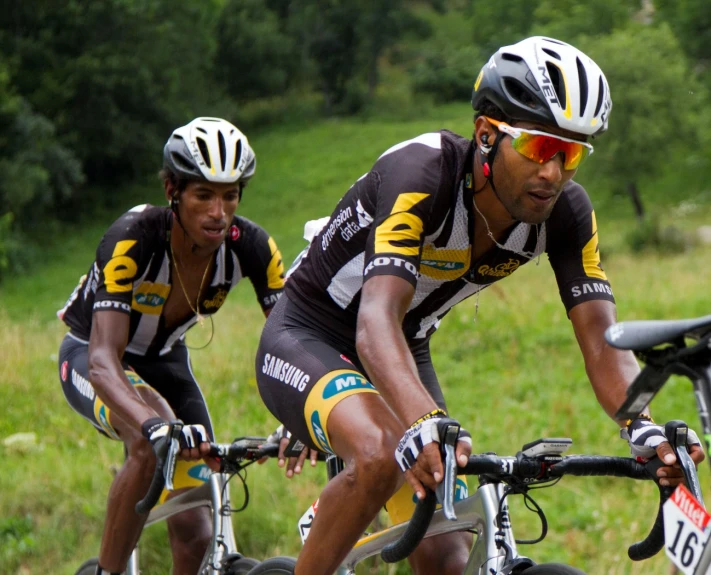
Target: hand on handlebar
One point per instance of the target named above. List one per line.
(193, 440)
(419, 453)
(289, 445)
(671, 474)
(648, 441)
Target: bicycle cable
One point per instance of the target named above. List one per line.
(517, 488)
(227, 509)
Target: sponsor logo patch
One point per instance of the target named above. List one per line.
(285, 372)
(199, 472)
(501, 270)
(319, 433)
(345, 382)
(64, 370)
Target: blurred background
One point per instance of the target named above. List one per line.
(91, 90)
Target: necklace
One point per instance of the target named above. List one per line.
(196, 309)
(524, 253)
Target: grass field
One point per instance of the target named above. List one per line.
(511, 374)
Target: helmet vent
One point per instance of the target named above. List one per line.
(511, 57)
(238, 153)
(199, 129)
(600, 97)
(558, 83)
(582, 75)
(552, 53)
(519, 92)
(202, 144)
(223, 150)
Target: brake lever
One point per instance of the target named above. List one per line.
(173, 450)
(445, 490)
(677, 433)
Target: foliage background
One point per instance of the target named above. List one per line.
(89, 91)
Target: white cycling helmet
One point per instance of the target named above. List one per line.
(546, 81)
(210, 149)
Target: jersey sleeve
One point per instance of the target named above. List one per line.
(262, 263)
(118, 264)
(407, 181)
(574, 250)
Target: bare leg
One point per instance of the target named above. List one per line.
(123, 526)
(364, 433)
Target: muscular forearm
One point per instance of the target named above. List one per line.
(610, 375)
(112, 386)
(387, 358)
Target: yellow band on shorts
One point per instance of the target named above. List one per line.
(328, 391)
(401, 506)
(102, 412)
(187, 474)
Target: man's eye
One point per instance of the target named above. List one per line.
(231, 197)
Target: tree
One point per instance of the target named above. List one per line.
(656, 102)
(691, 22)
(568, 20)
(255, 58)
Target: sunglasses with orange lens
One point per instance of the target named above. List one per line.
(542, 147)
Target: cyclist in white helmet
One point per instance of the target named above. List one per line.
(159, 271)
(436, 220)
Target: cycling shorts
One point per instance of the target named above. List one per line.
(170, 375)
(304, 372)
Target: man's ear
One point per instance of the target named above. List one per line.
(484, 134)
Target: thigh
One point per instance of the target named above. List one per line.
(171, 375)
(301, 377)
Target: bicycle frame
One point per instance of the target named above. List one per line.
(213, 494)
(478, 513)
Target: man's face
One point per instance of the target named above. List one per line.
(206, 210)
(528, 189)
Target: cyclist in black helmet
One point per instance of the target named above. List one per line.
(344, 360)
(158, 272)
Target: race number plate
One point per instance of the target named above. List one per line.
(306, 520)
(685, 533)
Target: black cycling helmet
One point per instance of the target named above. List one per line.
(548, 82)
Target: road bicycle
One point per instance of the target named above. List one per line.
(669, 347)
(486, 512)
(222, 556)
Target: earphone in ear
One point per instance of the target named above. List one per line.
(485, 139)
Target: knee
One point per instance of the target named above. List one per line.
(373, 460)
(191, 531)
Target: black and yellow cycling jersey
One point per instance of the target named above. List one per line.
(412, 216)
(132, 273)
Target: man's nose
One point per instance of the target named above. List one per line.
(552, 170)
(217, 209)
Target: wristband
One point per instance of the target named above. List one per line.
(434, 413)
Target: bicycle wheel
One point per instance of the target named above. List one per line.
(552, 569)
(275, 566)
(88, 567)
(241, 566)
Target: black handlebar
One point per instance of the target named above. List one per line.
(542, 467)
(232, 457)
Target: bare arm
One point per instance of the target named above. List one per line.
(610, 370)
(109, 337)
(382, 347)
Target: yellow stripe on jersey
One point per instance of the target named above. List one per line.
(330, 390)
(591, 254)
(187, 474)
(401, 226)
(275, 270)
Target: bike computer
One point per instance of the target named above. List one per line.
(547, 446)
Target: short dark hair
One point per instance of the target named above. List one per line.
(178, 183)
(491, 110)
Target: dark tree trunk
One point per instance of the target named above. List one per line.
(633, 191)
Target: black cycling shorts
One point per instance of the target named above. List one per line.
(170, 375)
(303, 372)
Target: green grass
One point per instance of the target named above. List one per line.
(512, 373)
